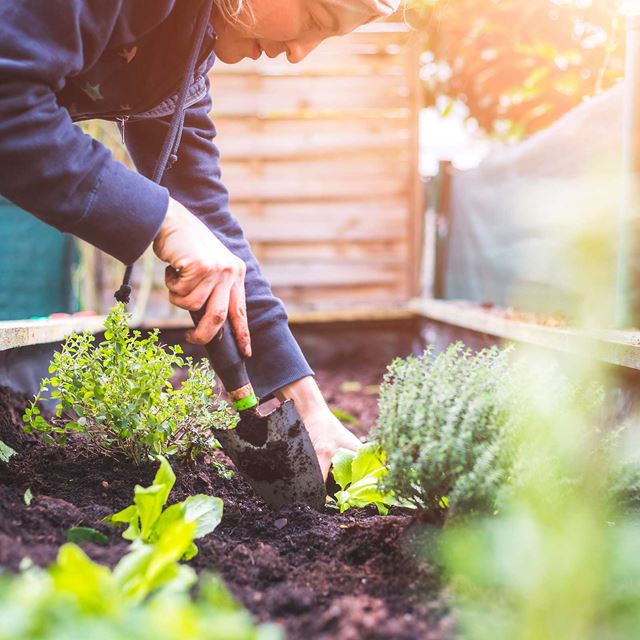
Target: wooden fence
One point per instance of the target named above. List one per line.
(321, 159)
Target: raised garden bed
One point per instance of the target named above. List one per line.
(321, 575)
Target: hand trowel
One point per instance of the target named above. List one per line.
(273, 451)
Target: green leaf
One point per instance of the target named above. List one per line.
(168, 517)
(369, 461)
(342, 461)
(28, 497)
(191, 552)
(129, 516)
(147, 520)
(151, 567)
(86, 534)
(6, 452)
(151, 500)
(205, 511)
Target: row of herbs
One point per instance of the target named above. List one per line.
(448, 439)
(515, 456)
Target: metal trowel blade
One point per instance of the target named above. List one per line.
(274, 453)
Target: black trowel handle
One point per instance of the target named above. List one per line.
(228, 364)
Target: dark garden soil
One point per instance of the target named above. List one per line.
(321, 575)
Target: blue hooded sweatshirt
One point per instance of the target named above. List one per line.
(67, 60)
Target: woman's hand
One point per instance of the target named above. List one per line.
(326, 431)
(202, 272)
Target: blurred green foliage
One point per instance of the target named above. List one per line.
(518, 65)
(145, 597)
(562, 560)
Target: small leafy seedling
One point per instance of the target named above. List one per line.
(86, 534)
(358, 475)
(147, 521)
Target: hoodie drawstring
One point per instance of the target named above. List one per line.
(169, 153)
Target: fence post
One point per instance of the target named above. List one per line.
(626, 303)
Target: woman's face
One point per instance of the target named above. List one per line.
(294, 27)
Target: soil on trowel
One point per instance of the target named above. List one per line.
(320, 574)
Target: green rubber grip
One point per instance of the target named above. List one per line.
(248, 402)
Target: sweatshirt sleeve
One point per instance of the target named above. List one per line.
(195, 181)
(48, 166)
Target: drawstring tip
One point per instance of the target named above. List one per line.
(173, 158)
(123, 294)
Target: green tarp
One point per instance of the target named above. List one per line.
(526, 222)
(36, 265)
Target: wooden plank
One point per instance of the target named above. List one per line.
(315, 145)
(319, 115)
(240, 95)
(332, 298)
(242, 138)
(22, 333)
(392, 253)
(391, 166)
(308, 188)
(615, 347)
(345, 273)
(346, 65)
(323, 222)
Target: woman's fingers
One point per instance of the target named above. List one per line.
(238, 317)
(198, 295)
(214, 314)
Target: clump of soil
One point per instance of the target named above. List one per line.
(321, 575)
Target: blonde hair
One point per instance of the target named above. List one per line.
(231, 9)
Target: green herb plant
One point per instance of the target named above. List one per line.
(118, 393)
(358, 474)
(145, 597)
(446, 424)
(148, 521)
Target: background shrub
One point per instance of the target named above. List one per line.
(446, 426)
(455, 428)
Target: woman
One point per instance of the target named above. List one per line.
(66, 60)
